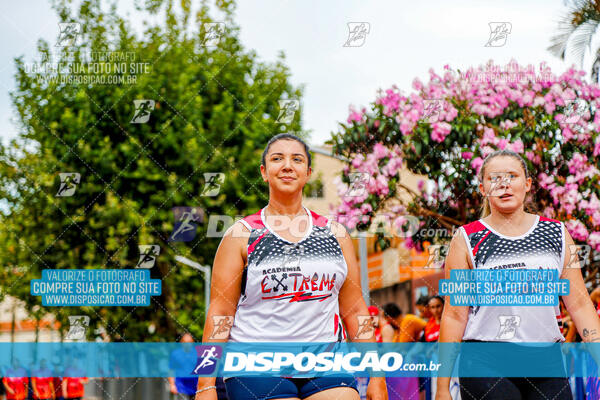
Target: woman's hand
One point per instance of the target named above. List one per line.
(443, 394)
(210, 394)
(377, 390)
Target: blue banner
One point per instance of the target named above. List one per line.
(301, 359)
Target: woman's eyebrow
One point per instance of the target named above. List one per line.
(504, 172)
(281, 154)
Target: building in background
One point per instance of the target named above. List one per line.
(17, 325)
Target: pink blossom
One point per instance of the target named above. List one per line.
(355, 115)
(577, 229)
(502, 143)
(548, 212)
(440, 131)
(476, 164)
(489, 136)
(577, 162)
(508, 124)
(517, 146)
(380, 151)
(467, 155)
(594, 241)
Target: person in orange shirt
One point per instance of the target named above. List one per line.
(401, 328)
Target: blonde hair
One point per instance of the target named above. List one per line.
(485, 206)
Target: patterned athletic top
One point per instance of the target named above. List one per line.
(290, 290)
(542, 247)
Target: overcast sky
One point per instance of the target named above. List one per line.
(406, 38)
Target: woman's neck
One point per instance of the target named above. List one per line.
(500, 218)
(278, 208)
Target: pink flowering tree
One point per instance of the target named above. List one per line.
(444, 128)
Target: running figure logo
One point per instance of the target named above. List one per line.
(579, 255)
(212, 33)
(68, 34)
(437, 255)
(222, 324)
(207, 359)
(287, 110)
(358, 183)
(500, 182)
(142, 111)
(508, 326)
(184, 229)
(213, 182)
(148, 254)
(68, 183)
(365, 325)
(431, 110)
(499, 32)
(574, 110)
(78, 324)
(357, 34)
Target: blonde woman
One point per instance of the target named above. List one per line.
(507, 236)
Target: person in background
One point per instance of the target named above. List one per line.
(422, 308)
(43, 383)
(374, 313)
(180, 358)
(432, 329)
(16, 382)
(72, 383)
(435, 306)
(401, 329)
(595, 296)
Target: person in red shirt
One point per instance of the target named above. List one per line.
(432, 329)
(16, 382)
(72, 386)
(374, 313)
(43, 383)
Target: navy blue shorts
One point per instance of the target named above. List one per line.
(258, 388)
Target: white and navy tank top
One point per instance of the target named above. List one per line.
(542, 247)
(290, 289)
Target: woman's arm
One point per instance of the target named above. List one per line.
(225, 290)
(352, 305)
(454, 318)
(578, 302)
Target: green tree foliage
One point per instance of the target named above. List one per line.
(215, 109)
